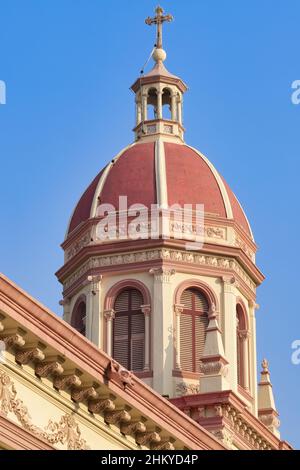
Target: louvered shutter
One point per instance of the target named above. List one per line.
(129, 330)
(238, 357)
(201, 323)
(186, 339)
(193, 325)
(120, 343)
(137, 341)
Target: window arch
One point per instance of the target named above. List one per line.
(129, 330)
(78, 318)
(242, 346)
(193, 326)
(152, 104)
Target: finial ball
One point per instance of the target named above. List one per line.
(159, 55)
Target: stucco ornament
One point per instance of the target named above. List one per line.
(65, 432)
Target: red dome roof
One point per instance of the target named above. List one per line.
(187, 178)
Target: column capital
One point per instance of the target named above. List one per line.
(253, 304)
(94, 282)
(162, 274)
(146, 310)
(178, 309)
(244, 335)
(109, 315)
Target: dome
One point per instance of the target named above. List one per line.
(160, 172)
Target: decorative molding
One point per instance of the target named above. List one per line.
(65, 432)
(67, 381)
(148, 438)
(117, 417)
(83, 241)
(214, 368)
(163, 254)
(29, 354)
(184, 388)
(125, 376)
(84, 394)
(50, 367)
(146, 310)
(178, 309)
(109, 315)
(101, 405)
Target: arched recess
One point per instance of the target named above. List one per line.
(127, 312)
(78, 317)
(167, 104)
(202, 286)
(194, 300)
(242, 346)
(152, 104)
(126, 283)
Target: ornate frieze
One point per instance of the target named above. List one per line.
(164, 254)
(184, 388)
(66, 431)
(83, 241)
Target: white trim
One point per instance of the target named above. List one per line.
(160, 174)
(102, 180)
(226, 200)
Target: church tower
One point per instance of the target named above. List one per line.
(137, 282)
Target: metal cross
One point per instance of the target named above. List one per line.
(159, 19)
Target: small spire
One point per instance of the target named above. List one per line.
(159, 55)
(267, 411)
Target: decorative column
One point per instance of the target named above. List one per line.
(244, 337)
(93, 310)
(213, 364)
(138, 112)
(144, 107)
(179, 109)
(109, 316)
(159, 104)
(173, 107)
(267, 412)
(230, 328)
(163, 330)
(146, 309)
(178, 309)
(252, 354)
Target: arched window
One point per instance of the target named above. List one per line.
(193, 325)
(129, 330)
(152, 104)
(167, 104)
(241, 347)
(78, 319)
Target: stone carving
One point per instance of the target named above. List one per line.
(164, 254)
(215, 232)
(125, 376)
(65, 432)
(147, 438)
(213, 368)
(224, 436)
(163, 446)
(184, 388)
(66, 382)
(30, 354)
(78, 245)
(45, 369)
(117, 417)
(133, 428)
(84, 394)
(101, 405)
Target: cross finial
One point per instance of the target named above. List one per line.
(159, 19)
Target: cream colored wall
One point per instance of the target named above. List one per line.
(44, 404)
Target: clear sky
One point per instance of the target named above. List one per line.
(68, 66)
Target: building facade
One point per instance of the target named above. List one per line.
(159, 291)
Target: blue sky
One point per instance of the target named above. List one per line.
(68, 66)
